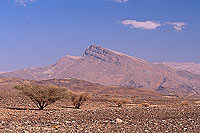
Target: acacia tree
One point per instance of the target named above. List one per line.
(42, 95)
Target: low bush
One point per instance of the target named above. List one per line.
(78, 99)
(42, 95)
(184, 103)
(119, 101)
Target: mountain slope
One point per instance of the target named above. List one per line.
(190, 67)
(107, 67)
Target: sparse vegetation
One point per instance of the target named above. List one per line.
(42, 95)
(79, 99)
(165, 115)
(119, 101)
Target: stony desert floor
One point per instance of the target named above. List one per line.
(18, 114)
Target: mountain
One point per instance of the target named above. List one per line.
(107, 67)
(193, 68)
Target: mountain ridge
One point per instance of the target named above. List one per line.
(190, 67)
(108, 67)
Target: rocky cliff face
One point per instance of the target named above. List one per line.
(107, 67)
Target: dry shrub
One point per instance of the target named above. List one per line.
(119, 101)
(42, 95)
(144, 105)
(184, 103)
(79, 99)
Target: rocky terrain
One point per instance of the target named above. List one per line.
(145, 111)
(193, 68)
(18, 114)
(6, 85)
(111, 68)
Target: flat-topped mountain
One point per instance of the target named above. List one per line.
(107, 67)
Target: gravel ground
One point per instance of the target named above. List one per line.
(163, 115)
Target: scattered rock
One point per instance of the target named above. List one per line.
(119, 120)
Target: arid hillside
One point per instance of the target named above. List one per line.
(6, 84)
(190, 67)
(111, 68)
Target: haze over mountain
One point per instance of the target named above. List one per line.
(107, 67)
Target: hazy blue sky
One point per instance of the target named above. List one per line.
(38, 32)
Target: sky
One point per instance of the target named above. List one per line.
(36, 33)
